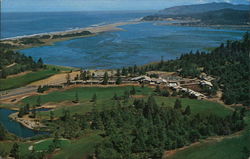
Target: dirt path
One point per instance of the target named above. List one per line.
(15, 95)
(218, 99)
(13, 64)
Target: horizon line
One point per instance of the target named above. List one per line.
(138, 10)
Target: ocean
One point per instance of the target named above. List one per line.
(136, 44)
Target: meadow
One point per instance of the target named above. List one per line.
(79, 148)
(85, 145)
(229, 148)
(63, 99)
(19, 81)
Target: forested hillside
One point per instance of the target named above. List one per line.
(145, 129)
(218, 17)
(12, 62)
(201, 8)
(229, 63)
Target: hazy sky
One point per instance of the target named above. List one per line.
(87, 5)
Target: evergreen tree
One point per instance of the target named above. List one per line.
(105, 78)
(38, 101)
(165, 93)
(14, 152)
(3, 73)
(21, 112)
(118, 72)
(135, 69)
(187, 110)
(94, 98)
(151, 108)
(115, 97)
(26, 108)
(33, 112)
(66, 115)
(174, 94)
(39, 89)
(246, 152)
(96, 122)
(126, 95)
(76, 97)
(133, 91)
(124, 72)
(68, 78)
(118, 80)
(177, 104)
(40, 63)
(56, 141)
(52, 114)
(2, 132)
(157, 89)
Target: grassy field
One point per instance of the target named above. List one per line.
(44, 145)
(197, 106)
(84, 94)
(6, 146)
(104, 100)
(23, 80)
(79, 148)
(229, 148)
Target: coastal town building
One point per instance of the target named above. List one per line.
(206, 83)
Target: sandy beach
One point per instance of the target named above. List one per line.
(62, 35)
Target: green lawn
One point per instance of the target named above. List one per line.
(104, 100)
(79, 148)
(197, 106)
(19, 81)
(6, 146)
(82, 108)
(44, 145)
(230, 148)
(84, 93)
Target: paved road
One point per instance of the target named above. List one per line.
(18, 91)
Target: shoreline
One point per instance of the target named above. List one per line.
(29, 123)
(45, 39)
(188, 24)
(49, 38)
(92, 28)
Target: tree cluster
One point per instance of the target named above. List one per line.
(20, 62)
(144, 129)
(229, 63)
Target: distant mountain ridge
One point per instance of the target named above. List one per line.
(217, 17)
(224, 17)
(201, 8)
(204, 14)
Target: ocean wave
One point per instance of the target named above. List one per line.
(98, 24)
